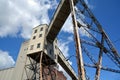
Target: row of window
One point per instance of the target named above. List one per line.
(32, 46)
(40, 35)
(41, 29)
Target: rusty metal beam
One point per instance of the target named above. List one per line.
(102, 68)
(99, 64)
(41, 65)
(99, 26)
(81, 71)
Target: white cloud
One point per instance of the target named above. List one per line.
(68, 26)
(64, 45)
(64, 48)
(70, 38)
(6, 60)
(20, 16)
(83, 32)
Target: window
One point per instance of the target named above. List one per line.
(25, 49)
(50, 51)
(55, 47)
(34, 37)
(38, 45)
(46, 30)
(40, 35)
(55, 56)
(35, 31)
(56, 41)
(41, 29)
(31, 47)
(45, 46)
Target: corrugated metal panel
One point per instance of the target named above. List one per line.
(6, 74)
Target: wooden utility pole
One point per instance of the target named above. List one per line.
(81, 71)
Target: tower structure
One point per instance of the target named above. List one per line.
(95, 38)
(39, 54)
(38, 59)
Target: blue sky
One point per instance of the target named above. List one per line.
(19, 17)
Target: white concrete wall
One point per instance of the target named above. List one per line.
(19, 68)
(38, 39)
(6, 74)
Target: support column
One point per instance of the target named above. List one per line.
(81, 71)
(41, 55)
(97, 76)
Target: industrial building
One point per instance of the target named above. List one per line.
(39, 56)
(28, 62)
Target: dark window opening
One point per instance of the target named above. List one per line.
(55, 56)
(50, 51)
(41, 29)
(45, 46)
(55, 41)
(35, 31)
(55, 47)
(40, 35)
(38, 45)
(34, 37)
